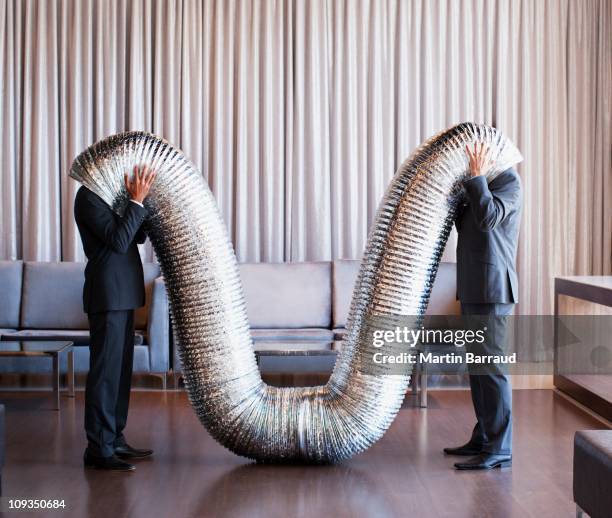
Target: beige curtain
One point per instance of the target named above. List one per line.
(299, 112)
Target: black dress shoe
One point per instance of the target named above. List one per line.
(127, 452)
(112, 463)
(486, 461)
(467, 450)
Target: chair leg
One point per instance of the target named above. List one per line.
(414, 381)
(70, 373)
(423, 384)
(176, 377)
(56, 381)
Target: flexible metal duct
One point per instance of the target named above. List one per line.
(311, 424)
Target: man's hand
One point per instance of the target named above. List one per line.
(480, 160)
(138, 187)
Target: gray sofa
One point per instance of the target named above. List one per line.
(43, 301)
(291, 307)
(304, 307)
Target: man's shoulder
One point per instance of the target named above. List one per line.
(81, 196)
(507, 178)
(510, 174)
(85, 194)
(84, 198)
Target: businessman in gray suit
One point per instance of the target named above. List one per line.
(487, 287)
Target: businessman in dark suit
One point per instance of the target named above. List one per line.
(487, 287)
(114, 287)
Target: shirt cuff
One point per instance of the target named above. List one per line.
(137, 203)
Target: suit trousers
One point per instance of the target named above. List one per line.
(109, 381)
(490, 386)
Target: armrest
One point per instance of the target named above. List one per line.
(158, 327)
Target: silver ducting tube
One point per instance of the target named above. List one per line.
(306, 424)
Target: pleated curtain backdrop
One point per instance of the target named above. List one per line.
(298, 113)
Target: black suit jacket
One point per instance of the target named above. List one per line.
(114, 278)
(488, 226)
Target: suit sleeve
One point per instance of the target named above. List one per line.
(492, 203)
(118, 235)
(141, 236)
(460, 210)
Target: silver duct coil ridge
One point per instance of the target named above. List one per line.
(353, 410)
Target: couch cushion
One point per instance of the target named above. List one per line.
(441, 302)
(78, 336)
(287, 295)
(53, 296)
(443, 299)
(11, 274)
(151, 272)
(344, 276)
(302, 334)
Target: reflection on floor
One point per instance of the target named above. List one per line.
(404, 474)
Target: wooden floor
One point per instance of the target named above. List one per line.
(404, 474)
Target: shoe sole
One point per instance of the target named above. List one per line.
(502, 465)
(100, 468)
(128, 456)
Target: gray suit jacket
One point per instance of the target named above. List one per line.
(488, 225)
